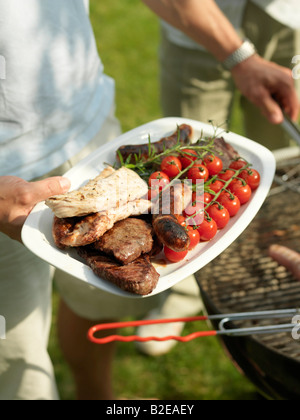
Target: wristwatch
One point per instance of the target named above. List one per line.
(246, 50)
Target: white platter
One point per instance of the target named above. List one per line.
(37, 235)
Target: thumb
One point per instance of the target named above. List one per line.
(50, 187)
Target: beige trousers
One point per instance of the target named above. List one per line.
(194, 85)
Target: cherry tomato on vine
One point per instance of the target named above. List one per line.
(213, 164)
(220, 215)
(193, 208)
(216, 186)
(242, 192)
(230, 202)
(252, 177)
(193, 214)
(227, 175)
(238, 164)
(173, 256)
(158, 180)
(208, 229)
(204, 199)
(194, 236)
(198, 172)
(187, 157)
(208, 198)
(171, 166)
(181, 220)
(153, 194)
(197, 205)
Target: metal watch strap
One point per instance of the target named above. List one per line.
(246, 50)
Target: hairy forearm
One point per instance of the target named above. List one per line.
(201, 20)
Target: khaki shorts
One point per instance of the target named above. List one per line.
(195, 85)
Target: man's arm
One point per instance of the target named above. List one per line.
(201, 20)
(257, 79)
(18, 197)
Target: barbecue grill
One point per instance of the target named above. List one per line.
(245, 279)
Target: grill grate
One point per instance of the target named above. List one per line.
(244, 278)
(288, 176)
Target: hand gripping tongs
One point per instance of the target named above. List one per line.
(292, 314)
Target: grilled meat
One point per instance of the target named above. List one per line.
(127, 240)
(111, 189)
(224, 151)
(171, 233)
(157, 247)
(75, 232)
(164, 220)
(183, 134)
(138, 277)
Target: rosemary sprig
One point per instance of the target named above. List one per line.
(144, 167)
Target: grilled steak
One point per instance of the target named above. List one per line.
(111, 189)
(127, 240)
(157, 247)
(183, 134)
(224, 151)
(138, 277)
(76, 231)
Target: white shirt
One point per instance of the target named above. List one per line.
(286, 12)
(87, 5)
(55, 96)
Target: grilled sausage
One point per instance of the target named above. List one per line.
(286, 257)
(171, 233)
(165, 143)
(165, 223)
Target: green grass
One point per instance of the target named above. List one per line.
(127, 36)
(198, 370)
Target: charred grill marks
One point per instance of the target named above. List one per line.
(138, 277)
(127, 240)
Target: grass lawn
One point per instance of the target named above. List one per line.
(128, 37)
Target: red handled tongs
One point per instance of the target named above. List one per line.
(224, 320)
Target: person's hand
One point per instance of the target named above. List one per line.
(286, 257)
(18, 198)
(268, 86)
